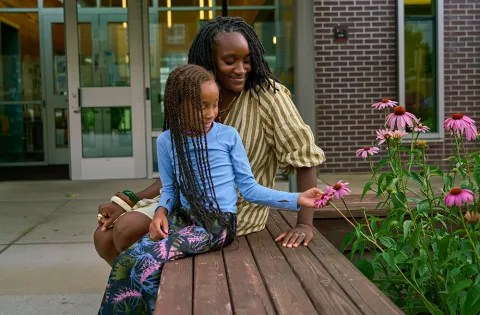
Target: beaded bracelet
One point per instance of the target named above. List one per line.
(304, 225)
(131, 195)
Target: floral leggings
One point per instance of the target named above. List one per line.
(132, 287)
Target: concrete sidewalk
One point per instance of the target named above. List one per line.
(48, 264)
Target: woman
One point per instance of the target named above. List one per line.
(272, 131)
(202, 164)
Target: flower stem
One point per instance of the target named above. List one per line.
(348, 209)
(381, 249)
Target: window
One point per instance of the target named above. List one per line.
(419, 66)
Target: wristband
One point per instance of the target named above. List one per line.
(131, 195)
(118, 201)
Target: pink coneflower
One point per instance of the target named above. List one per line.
(421, 128)
(365, 151)
(398, 134)
(472, 217)
(401, 118)
(458, 196)
(383, 135)
(323, 200)
(384, 104)
(461, 124)
(339, 190)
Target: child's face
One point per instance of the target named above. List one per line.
(209, 97)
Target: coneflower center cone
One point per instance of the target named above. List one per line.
(457, 116)
(337, 186)
(399, 110)
(455, 191)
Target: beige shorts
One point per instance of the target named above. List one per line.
(145, 206)
(149, 210)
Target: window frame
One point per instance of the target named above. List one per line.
(439, 59)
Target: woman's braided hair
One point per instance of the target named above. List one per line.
(202, 51)
(184, 118)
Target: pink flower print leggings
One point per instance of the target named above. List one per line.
(135, 277)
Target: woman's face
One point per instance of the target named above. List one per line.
(232, 60)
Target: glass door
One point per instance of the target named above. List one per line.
(106, 91)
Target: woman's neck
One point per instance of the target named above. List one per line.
(227, 98)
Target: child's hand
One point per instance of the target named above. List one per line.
(159, 225)
(307, 198)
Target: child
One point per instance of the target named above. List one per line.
(201, 164)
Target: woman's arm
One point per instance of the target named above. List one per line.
(151, 191)
(295, 149)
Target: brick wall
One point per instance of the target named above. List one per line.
(351, 75)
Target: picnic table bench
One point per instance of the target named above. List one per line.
(256, 276)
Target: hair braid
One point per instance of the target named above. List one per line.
(183, 116)
(202, 51)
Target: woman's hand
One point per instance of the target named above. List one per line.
(159, 225)
(307, 198)
(301, 233)
(109, 213)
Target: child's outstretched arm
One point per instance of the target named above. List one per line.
(256, 193)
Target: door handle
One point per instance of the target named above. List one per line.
(78, 109)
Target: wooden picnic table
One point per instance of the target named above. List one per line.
(256, 276)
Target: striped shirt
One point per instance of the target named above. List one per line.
(275, 136)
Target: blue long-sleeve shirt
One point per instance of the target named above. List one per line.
(229, 167)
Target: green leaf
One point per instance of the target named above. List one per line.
(347, 240)
(476, 170)
(448, 181)
(415, 235)
(379, 165)
(366, 188)
(436, 171)
(466, 184)
(414, 176)
(460, 285)
(406, 228)
(387, 241)
(399, 200)
(389, 258)
(472, 301)
(366, 268)
(423, 206)
(432, 308)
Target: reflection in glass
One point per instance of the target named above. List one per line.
(20, 70)
(107, 132)
(61, 127)
(182, 3)
(154, 155)
(104, 52)
(420, 79)
(244, 2)
(19, 4)
(168, 49)
(85, 54)
(21, 133)
(113, 3)
(59, 59)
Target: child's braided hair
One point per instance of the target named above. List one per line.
(183, 116)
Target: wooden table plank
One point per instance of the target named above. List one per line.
(357, 287)
(325, 293)
(248, 293)
(176, 284)
(287, 293)
(210, 288)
